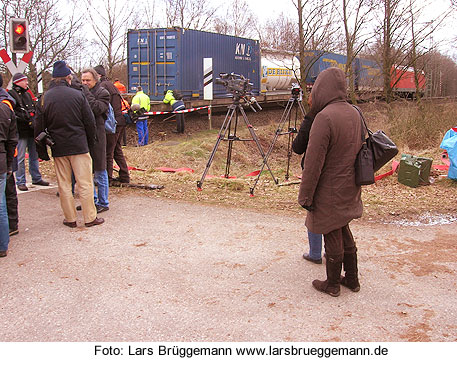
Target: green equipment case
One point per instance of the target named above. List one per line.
(414, 171)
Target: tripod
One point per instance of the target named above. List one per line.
(229, 124)
(293, 103)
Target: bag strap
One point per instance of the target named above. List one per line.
(364, 124)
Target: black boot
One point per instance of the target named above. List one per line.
(331, 286)
(350, 280)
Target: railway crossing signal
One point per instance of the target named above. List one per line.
(19, 35)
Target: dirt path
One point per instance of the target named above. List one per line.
(163, 270)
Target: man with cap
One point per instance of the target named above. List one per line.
(113, 141)
(8, 141)
(25, 115)
(66, 115)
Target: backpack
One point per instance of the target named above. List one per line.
(110, 122)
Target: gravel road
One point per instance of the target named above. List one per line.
(163, 270)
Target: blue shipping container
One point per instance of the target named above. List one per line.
(162, 59)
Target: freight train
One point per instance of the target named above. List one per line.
(173, 58)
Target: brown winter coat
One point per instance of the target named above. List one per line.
(328, 180)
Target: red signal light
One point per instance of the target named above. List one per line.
(19, 29)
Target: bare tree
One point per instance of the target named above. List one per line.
(403, 38)
(189, 14)
(109, 20)
(52, 36)
(239, 20)
(316, 31)
(355, 15)
(280, 33)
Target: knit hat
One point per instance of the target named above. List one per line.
(1, 80)
(18, 77)
(60, 69)
(100, 70)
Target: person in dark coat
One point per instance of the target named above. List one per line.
(327, 189)
(299, 145)
(113, 141)
(8, 142)
(98, 98)
(66, 115)
(25, 115)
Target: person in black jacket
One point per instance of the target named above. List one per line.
(299, 146)
(25, 115)
(98, 98)
(65, 113)
(8, 142)
(113, 141)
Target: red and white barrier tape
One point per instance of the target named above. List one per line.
(179, 111)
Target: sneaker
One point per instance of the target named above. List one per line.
(14, 232)
(23, 187)
(41, 182)
(95, 222)
(101, 209)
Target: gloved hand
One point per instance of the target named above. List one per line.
(309, 208)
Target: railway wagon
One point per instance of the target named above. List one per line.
(368, 76)
(172, 58)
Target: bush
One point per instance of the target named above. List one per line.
(421, 126)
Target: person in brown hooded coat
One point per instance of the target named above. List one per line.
(327, 189)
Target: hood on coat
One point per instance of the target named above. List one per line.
(5, 95)
(330, 86)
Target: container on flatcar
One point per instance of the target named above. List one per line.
(172, 58)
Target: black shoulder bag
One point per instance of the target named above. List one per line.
(376, 151)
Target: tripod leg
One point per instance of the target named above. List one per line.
(220, 137)
(259, 147)
(282, 121)
(231, 137)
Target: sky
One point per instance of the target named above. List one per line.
(266, 9)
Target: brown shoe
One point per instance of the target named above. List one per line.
(95, 222)
(23, 187)
(70, 224)
(3, 253)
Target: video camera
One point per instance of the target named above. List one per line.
(45, 139)
(240, 87)
(234, 83)
(296, 90)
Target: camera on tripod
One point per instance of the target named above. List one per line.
(296, 90)
(234, 83)
(240, 87)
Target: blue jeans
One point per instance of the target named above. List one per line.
(101, 180)
(315, 245)
(143, 132)
(22, 145)
(4, 226)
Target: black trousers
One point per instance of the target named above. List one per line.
(114, 153)
(11, 203)
(180, 120)
(339, 242)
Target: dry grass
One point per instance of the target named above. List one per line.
(386, 200)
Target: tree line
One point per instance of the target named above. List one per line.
(390, 32)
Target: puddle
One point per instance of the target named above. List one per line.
(426, 219)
